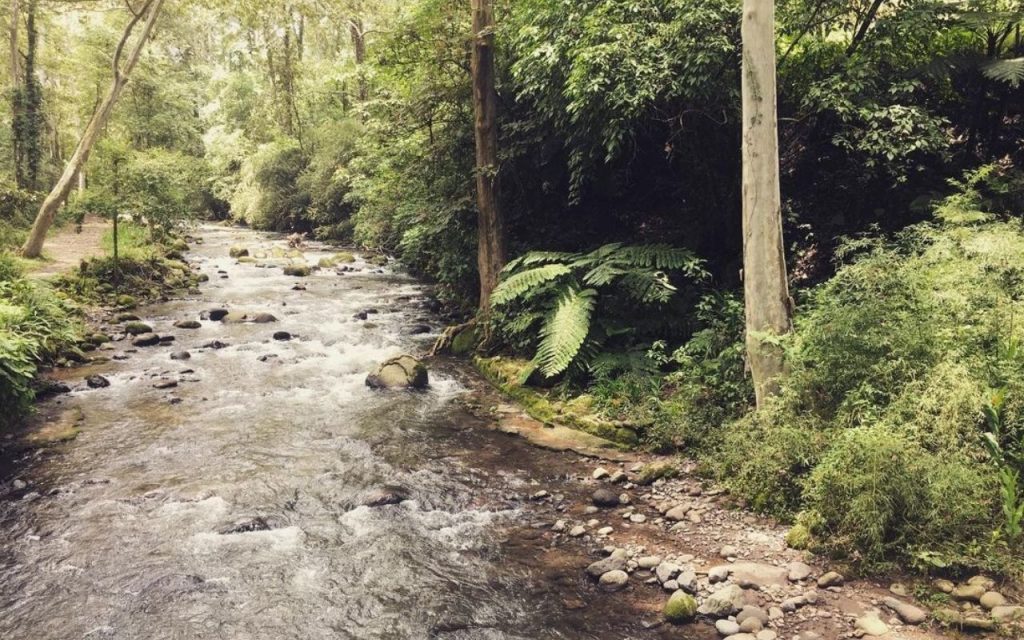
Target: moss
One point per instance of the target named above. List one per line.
(654, 471)
(297, 270)
(126, 301)
(680, 607)
(137, 328)
(507, 374)
(798, 537)
(465, 342)
(238, 251)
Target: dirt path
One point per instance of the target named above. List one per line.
(67, 247)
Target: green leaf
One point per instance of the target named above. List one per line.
(565, 330)
(515, 286)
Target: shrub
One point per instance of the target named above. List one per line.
(268, 195)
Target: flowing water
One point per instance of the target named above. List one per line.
(231, 506)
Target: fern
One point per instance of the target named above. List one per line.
(1010, 71)
(519, 284)
(565, 330)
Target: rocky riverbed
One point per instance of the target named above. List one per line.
(259, 459)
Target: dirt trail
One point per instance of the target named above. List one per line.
(67, 247)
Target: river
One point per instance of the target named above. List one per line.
(231, 505)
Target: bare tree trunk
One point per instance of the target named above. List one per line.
(490, 224)
(766, 291)
(355, 27)
(48, 211)
(15, 96)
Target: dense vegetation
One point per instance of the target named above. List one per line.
(899, 431)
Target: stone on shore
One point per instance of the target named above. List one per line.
(681, 607)
(403, 372)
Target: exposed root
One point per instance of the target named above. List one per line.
(444, 341)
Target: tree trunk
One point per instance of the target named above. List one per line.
(355, 27)
(15, 91)
(766, 291)
(490, 224)
(48, 211)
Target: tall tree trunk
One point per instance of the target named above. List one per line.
(766, 291)
(490, 224)
(355, 27)
(44, 219)
(15, 90)
(31, 126)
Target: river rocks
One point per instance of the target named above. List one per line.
(654, 471)
(578, 531)
(966, 621)
(969, 592)
(907, 612)
(600, 473)
(677, 513)
(264, 318)
(615, 562)
(165, 384)
(757, 574)
(666, 571)
(799, 571)
(146, 340)
(187, 324)
(403, 372)
(247, 525)
(727, 628)
(417, 329)
(992, 599)
(97, 382)
(728, 551)
(181, 355)
(1005, 613)
(871, 625)
(983, 581)
(687, 580)
(214, 314)
(605, 498)
(681, 607)
(384, 496)
(831, 579)
(137, 328)
(238, 251)
(282, 336)
(724, 602)
(297, 270)
(614, 580)
(215, 344)
(718, 574)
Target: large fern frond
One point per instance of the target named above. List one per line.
(519, 284)
(1010, 71)
(538, 257)
(647, 287)
(603, 274)
(565, 330)
(661, 256)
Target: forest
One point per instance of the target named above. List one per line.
(802, 272)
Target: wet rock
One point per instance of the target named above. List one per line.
(830, 579)
(1004, 613)
(146, 340)
(46, 388)
(181, 355)
(605, 498)
(215, 344)
(282, 336)
(907, 612)
(600, 473)
(417, 329)
(187, 324)
(137, 328)
(97, 382)
(264, 318)
(297, 270)
(403, 372)
(724, 602)
(247, 525)
(384, 496)
(666, 571)
(126, 317)
(654, 471)
(680, 608)
(165, 384)
(238, 251)
(166, 339)
(267, 356)
(614, 580)
(215, 314)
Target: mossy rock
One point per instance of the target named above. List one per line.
(681, 607)
(297, 270)
(238, 251)
(654, 471)
(179, 245)
(126, 317)
(137, 328)
(403, 372)
(203, 278)
(98, 338)
(246, 260)
(333, 261)
(465, 342)
(126, 301)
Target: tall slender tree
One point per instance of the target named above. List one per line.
(147, 15)
(766, 290)
(490, 223)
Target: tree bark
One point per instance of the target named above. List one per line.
(766, 290)
(490, 223)
(15, 91)
(48, 211)
(355, 27)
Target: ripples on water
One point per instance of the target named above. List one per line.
(234, 513)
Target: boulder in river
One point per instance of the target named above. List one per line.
(403, 372)
(297, 270)
(181, 355)
(264, 318)
(681, 607)
(282, 336)
(383, 496)
(238, 251)
(214, 314)
(97, 382)
(136, 328)
(146, 340)
(187, 324)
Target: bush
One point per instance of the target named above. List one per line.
(268, 195)
(35, 325)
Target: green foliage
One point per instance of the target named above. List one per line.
(566, 288)
(36, 324)
(268, 196)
